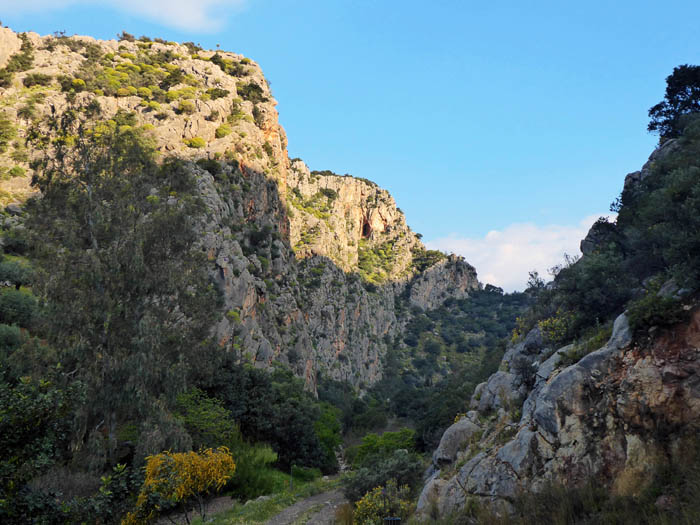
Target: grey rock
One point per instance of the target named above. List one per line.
(453, 440)
(622, 334)
(14, 209)
(500, 390)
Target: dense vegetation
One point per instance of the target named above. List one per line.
(105, 349)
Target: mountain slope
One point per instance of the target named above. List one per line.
(310, 263)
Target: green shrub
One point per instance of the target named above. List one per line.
(268, 149)
(17, 307)
(305, 474)
(215, 93)
(223, 131)
(251, 92)
(404, 467)
(254, 475)
(37, 79)
(328, 428)
(328, 192)
(10, 339)
(152, 105)
(653, 310)
(17, 171)
(383, 445)
(195, 142)
(186, 106)
(15, 273)
(258, 116)
(7, 132)
(382, 502)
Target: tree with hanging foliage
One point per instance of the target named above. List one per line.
(124, 287)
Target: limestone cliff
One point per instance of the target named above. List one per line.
(311, 264)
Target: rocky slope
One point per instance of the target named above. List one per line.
(312, 265)
(569, 416)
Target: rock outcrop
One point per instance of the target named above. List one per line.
(613, 416)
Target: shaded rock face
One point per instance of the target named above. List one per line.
(285, 245)
(302, 310)
(613, 417)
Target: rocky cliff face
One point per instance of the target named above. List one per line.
(614, 416)
(311, 264)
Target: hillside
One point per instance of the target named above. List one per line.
(310, 263)
(593, 414)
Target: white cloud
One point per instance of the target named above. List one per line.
(190, 15)
(504, 258)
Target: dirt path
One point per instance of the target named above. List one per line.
(316, 510)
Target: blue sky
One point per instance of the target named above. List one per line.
(501, 128)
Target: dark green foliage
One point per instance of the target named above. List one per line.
(192, 47)
(595, 288)
(329, 193)
(682, 98)
(111, 502)
(126, 37)
(251, 92)
(328, 429)
(35, 418)
(215, 93)
(15, 273)
(7, 132)
(211, 165)
(376, 470)
(17, 307)
(233, 68)
(268, 149)
(654, 310)
(424, 259)
(174, 77)
(258, 116)
(10, 340)
(37, 79)
(305, 474)
(660, 215)
(128, 299)
(381, 445)
(274, 408)
(207, 422)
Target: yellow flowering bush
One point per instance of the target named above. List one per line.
(383, 502)
(180, 478)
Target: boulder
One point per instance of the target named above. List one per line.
(453, 440)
